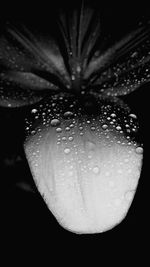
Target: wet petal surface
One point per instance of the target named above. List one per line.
(86, 168)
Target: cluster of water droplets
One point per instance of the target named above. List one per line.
(128, 72)
(70, 124)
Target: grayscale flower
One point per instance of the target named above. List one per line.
(82, 142)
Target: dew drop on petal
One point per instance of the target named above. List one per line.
(58, 130)
(68, 114)
(118, 128)
(55, 122)
(104, 126)
(70, 138)
(67, 128)
(113, 115)
(133, 116)
(58, 143)
(92, 128)
(139, 150)
(80, 128)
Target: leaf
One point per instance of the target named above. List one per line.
(27, 65)
(123, 67)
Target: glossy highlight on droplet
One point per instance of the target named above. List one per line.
(55, 122)
(139, 150)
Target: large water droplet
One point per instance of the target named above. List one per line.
(139, 150)
(104, 126)
(68, 114)
(55, 122)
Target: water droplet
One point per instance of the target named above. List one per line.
(92, 128)
(96, 169)
(104, 126)
(55, 122)
(70, 138)
(58, 143)
(67, 150)
(113, 115)
(34, 110)
(80, 128)
(64, 138)
(59, 130)
(68, 114)
(133, 116)
(139, 150)
(33, 132)
(67, 128)
(118, 128)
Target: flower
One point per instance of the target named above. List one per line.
(77, 126)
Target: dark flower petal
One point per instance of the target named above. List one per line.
(123, 67)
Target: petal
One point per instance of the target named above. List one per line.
(85, 168)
